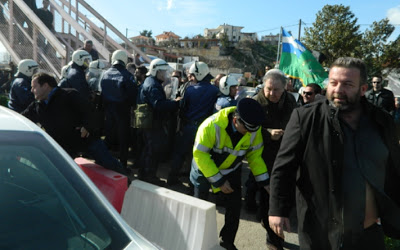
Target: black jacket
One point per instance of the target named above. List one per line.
(384, 99)
(118, 85)
(152, 93)
(60, 117)
(31, 4)
(276, 117)
(20, 93)
(76, 79)
(47, 17)
(311, 158)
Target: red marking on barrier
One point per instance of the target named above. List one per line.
(112, 184)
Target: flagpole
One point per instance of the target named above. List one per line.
(279, 46)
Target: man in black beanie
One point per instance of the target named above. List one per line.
(222, 141)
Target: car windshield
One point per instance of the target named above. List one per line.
(45, 204)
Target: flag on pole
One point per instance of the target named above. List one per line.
(299, 63)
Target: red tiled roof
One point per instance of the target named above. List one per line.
(168, 34)
(140, 36)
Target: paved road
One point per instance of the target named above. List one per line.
(251, 234)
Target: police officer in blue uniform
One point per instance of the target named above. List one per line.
(152, 93)
(76, 78)
(119, 93)
(94, 74)
(228, 86)
(20, 93)
(198, 104)
(64, 73)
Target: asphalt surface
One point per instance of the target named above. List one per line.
(251, 234)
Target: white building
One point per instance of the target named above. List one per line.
(249, 36)
(271, 39)
(233, 33)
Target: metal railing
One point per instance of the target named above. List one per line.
(24, 35)
(80, 18)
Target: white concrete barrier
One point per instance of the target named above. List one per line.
(170, 219)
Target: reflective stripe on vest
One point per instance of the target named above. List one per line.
(230, 170)
(262, 177)
(236, 153)
(201, 147)
(211, 179)
(256, 146)
(230, 151)
(253, 136)
(217, 135)
(215, 178)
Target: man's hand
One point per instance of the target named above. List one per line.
(226, 188)
(84, 132)
(276, 134)
(267, 188)
(277, 224)
(178, 98)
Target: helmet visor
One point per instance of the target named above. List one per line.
(35, 70)
(86, 62)
(165, 75)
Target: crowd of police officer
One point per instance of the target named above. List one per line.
(121, 101)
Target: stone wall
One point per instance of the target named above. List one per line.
(216, 62)
(211, 54)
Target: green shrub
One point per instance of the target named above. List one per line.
(392, 244)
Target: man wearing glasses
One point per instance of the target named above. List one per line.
(309, 92)
(380, 96)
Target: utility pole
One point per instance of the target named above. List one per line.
(299, 28)
(279, 47)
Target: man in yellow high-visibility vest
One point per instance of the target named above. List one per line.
(222, 141)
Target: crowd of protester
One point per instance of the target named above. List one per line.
(155, 114)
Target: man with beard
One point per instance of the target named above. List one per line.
(344, 158)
